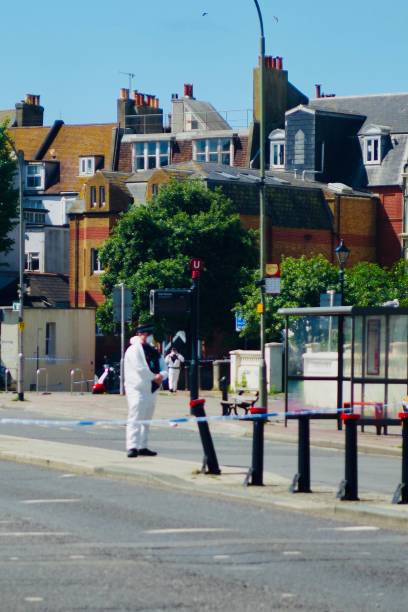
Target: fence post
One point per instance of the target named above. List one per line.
(401, 492)
(255, 472)
(348, 490)
(210, 458)
(301, 480)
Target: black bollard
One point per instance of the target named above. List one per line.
(255, 473)
(401, 493)
(210, 458)
(348, 490)
(224, 388)
(301, 480)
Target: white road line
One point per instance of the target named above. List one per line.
(67, 476)
(50, 501)
(220, 557)
(292, 553)
(77, 556)
(33, 599)
(22, 534)
(190, 530)
(351, 528)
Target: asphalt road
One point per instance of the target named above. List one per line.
(379, 474)
(74, 543)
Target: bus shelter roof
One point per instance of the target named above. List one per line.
(336, 311)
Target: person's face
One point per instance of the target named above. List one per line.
(144, 336)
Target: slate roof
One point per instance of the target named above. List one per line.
(290, 202)
(390, 110)
(206, 114)
(381, 109)
(46, 290)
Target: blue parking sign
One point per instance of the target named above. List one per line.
(240, 322)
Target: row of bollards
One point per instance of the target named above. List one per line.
(348, 488)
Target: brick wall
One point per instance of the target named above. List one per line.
(241, 151)
(125, 157)
(389, 225)
(182, 151)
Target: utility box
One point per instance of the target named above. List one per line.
(170, 302)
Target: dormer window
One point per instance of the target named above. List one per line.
(86, 166)
(277, 156)
(372, 150)
(35, 176)
(217, 150)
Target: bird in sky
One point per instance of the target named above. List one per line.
(204, 14)
(275, 18)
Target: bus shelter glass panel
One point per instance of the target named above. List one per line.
(358, 348)
(395, 395)
(375, 348)
(313, 346)
(397, 356)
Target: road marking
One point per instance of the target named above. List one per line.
(293, 553)
(50, 501)
(33, 599)
(67, 476)
(352, 528)
(287, 595)
(22, 534)
(221, 557)
(14, 558)
(190, 530)
(77, 556)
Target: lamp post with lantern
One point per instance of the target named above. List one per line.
(342, 254)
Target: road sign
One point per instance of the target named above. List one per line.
(21, 326)
(240, 322)
(259, 308)
(116, 295)
(272, 269)
(196, 266)
(273, 285)
(170, 302)
(16, 306)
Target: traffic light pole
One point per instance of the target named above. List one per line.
(210, 462)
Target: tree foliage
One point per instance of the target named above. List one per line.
(152, 244)
(303, 280)
(8, 195)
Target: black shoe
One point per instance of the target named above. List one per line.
(145, 452)
(133, 452)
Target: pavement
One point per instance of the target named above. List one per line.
(185, 475)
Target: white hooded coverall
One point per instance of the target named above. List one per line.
(141, 400)
(174, 362)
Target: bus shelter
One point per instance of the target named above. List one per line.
(346, 355)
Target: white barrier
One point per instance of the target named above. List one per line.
(80, 381)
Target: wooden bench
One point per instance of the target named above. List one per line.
(239, 401)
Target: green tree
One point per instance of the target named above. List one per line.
(152, 244)
(8, 195)
(367, 284)
(302, 281)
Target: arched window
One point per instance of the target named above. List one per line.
(299, 148)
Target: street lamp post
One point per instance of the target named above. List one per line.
(263, 396)
(19, 155)
(342, 254)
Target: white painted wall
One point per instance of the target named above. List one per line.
(245, 368)
(75, 345)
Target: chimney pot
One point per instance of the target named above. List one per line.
(273, 62)
(279, 63)
(124, 93)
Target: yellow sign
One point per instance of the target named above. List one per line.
(259, 308)
(21, 326)
(272, 269)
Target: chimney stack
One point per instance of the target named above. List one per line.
(124, 93)
(318, 90)
(188, 90)
(29, 113)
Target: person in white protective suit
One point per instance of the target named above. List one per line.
(174, 361)
(144, 371)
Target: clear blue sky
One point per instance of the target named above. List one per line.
(71, 53)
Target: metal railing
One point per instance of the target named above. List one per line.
(37, 379)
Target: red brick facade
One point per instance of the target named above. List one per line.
(389, 224)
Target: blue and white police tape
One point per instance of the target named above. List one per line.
(172, 421)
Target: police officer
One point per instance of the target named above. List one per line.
(173, 362)
(144, 370)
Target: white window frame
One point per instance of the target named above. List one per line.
(96, 266)
(279, 146)
(209, 150)
(369, 144)
(31, 177)
(28, 261)
(86, 166)
(149, 152)
(31, 216)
